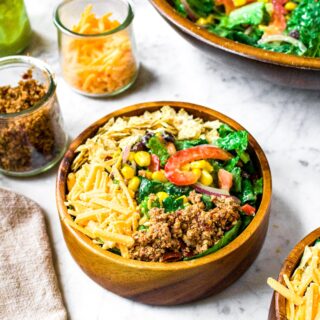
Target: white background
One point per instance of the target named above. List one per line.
(284, 121)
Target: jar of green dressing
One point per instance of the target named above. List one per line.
(15, 29)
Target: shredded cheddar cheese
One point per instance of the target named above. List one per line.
(302, 290)
(101, 64)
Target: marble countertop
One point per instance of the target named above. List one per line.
(284, 121)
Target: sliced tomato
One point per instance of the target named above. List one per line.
(155, 163)
(225, 179)
(278, 21)
(248, 210)
(173, 170)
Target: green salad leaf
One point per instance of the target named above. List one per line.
(252, 14)
(226, 239)
(201, 7)
(186, 144)
(174, 190)
(206, 199)
(171, 203)
(237, 140)
(152, 186)
(179, 7)
(237, 179)
(305, 20)
(147, 187)
(250, 190)
(159, 149)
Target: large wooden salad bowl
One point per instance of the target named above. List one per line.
(279, 68)
(166, 283)
(278, 304)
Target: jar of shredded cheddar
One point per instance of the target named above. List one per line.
(97, 47)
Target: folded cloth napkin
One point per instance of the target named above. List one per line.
(28, 284)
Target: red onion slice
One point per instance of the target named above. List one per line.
(191, 14)
(214, 191)
(125, 154)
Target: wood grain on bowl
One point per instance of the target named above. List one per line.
(277, 309)
(279, 68)
(166, 283)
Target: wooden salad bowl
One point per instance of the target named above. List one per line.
(278, 303)
(279, 68)
(166, 283)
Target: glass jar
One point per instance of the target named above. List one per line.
(15, 29)
(94, 62)
(31, 140)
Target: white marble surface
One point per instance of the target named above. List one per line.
(285, 122)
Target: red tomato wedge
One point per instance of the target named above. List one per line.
(225, 179)
(155, 163)
(173, 170)
(278, 21)
(248, 210)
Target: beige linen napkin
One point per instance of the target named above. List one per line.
(28, 284)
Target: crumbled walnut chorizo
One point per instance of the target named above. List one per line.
(29, 141)
(185, 232)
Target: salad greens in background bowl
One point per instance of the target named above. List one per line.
(279, 39)
(177, 175)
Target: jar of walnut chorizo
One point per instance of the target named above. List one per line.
(32, 137)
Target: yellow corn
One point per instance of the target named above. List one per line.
(197, 172)
(131, 156)
(162, 195)
(134, 184)
(159, 175)
(142, 158)
(206, 178)
(127, 172)
(149, 175)
(201, 164)
(204, 21)
(239, 3)
(290, 6)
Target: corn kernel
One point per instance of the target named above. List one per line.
(239, 3)
(162, 195)
(134, 184)
(149, 175)
(186, 167)
(142, 158)
(127, 172)
(131, 156)
(290, 6)
(197, 172)
(159, 175)
(206, 178)
(201, 164)
(205, 21)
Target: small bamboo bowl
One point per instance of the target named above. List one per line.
(277, 309)
(166, 283)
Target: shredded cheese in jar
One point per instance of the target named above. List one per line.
(98, 65)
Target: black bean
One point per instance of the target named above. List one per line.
(167, 136)
(294, 34)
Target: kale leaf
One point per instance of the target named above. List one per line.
(305, 20)
(159, 149)
(237, 140)
(171, 204)
(186, 144)
(147, 187)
